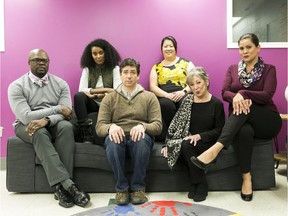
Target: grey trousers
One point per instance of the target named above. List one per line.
(55, 147)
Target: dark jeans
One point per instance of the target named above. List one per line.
(139, 152)
(242, 129)
(55, 147)
(84, 105)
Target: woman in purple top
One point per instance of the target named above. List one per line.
(248, 88)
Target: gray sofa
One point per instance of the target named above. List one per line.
(93, 174)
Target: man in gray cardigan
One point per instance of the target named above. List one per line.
(129, 118)
(42, 105)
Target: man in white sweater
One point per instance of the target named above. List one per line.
(42, 105)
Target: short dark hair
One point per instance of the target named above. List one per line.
(172, 39)
(130, 62)
(112, 57)
(251, 36)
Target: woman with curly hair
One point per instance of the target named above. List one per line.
(100, 76)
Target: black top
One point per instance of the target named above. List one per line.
(207, 119)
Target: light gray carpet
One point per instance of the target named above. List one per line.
(161, 208)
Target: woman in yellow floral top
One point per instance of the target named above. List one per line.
(168, 81)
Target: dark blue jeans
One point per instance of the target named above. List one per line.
(139, 152)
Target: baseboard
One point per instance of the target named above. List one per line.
(3, 163)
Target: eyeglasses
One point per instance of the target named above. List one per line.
(38, 61)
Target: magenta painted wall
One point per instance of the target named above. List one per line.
(135, 28)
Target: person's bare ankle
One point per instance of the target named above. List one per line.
(210, 154)
(207, 156)
(247, 184)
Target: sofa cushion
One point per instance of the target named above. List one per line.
(23, 175)
(94, 156)
(90, 156)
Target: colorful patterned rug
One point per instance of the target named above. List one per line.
(160, 208)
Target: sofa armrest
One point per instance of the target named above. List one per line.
(20, 166)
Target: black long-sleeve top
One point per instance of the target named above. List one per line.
(207, 119)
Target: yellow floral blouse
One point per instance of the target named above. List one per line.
(172, 78)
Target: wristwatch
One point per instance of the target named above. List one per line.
(185, 91)
(46, 118)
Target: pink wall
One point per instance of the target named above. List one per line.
(135, 28)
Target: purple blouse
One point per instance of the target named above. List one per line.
(261, 92)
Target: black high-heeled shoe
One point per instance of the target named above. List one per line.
(247, 197)
(200, 164)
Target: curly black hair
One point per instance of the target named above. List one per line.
(112, 57)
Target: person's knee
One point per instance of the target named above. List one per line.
(79, 96)
(65, 128)
(143, 146)
(65, 125)
(167, 104)
(147, 140)
(111, 146)
(185, 145)
(246, 130)
(41, 134)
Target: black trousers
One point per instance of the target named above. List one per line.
(243, 129)
(187, 151)
(168, 111)
(84, 105)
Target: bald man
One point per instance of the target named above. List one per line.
(42, 105)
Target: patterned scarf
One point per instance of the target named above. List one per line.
(247, 79)
(178, 129)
